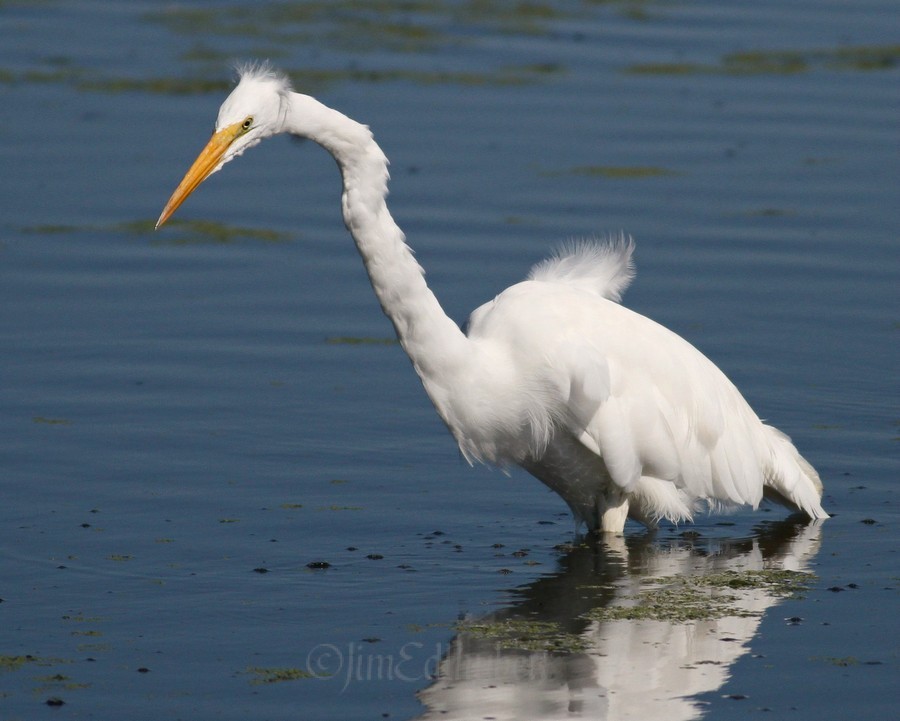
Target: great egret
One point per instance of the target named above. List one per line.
(618, 415)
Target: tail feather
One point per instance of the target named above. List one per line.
(791, 480)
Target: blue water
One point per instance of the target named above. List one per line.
(184, 426)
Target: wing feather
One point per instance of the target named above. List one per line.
(670, 428)
(671, 415)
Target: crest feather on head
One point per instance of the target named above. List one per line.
(262, 71)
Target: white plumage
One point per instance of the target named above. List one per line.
(617, 414)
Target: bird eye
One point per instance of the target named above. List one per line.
(247, 123)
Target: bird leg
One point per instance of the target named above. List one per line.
(611, 513)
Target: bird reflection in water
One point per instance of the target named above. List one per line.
(604, 662)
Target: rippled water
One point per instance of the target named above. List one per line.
(190, 418)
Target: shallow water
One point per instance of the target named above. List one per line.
(188, 418)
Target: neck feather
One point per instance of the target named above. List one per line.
(433, 342)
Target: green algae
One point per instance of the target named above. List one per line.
(58, 682)
(405, 26)
(615, 172)
(13, 663)
(523, 634)
(189, 232)
(16, 662)
(684, 599)
(360, 340)
(51, 229)
(860, 58)
(78, 618)
(306, 78)
(672, 605)
(841, 661)
(43, 420)
(274, 29)
(277, 675)
(774, 582)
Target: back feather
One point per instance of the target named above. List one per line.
(603, 267)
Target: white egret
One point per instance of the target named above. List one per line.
(618, 415)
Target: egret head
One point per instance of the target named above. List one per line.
(254, 110)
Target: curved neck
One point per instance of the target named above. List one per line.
(434, 343)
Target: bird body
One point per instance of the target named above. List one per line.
(620, 416)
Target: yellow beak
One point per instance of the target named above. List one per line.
(203, 166)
